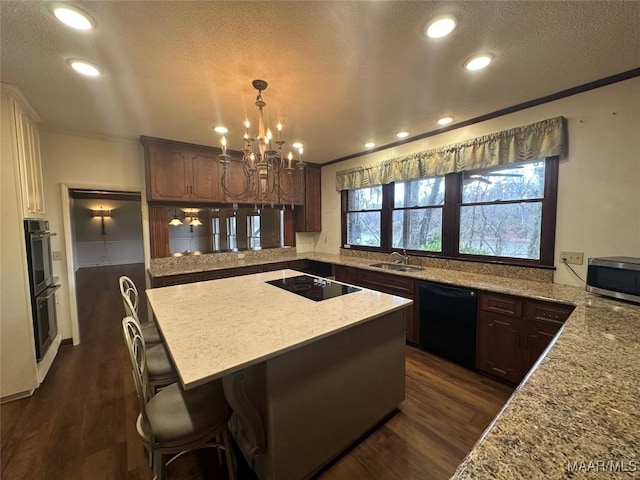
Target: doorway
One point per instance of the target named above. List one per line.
(107, 240)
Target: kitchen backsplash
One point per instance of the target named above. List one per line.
(509, 271)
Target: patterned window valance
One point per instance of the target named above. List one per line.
(529, 142)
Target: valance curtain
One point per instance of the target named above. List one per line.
(529, 142)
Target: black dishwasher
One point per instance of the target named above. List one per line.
(448, 322)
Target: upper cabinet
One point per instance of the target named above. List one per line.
(292, 186)
(309, 218)
(179, 172)
(186, 175)
(25, 147)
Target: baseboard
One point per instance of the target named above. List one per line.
(17, 396)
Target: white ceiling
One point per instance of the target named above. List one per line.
(340, 73)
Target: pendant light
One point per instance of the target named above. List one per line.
(175, 221)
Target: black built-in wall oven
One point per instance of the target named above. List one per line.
(42, 287)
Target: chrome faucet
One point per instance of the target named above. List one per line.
(403, 257)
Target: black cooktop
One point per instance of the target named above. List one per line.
(314, 288)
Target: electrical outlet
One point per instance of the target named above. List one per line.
(240, 256)
(57, 256)
(574, 258)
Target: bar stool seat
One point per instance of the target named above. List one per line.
(150, 333)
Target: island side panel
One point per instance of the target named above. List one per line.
(321, 398)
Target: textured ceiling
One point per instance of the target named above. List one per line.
(340, 73)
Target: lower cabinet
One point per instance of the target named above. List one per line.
(386, 283)
(513, 332)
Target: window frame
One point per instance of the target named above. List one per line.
(451, 222)
(384, 219)
(418, 207)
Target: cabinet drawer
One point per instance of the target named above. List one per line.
(386, 283)
(551, 312)
(502, 304)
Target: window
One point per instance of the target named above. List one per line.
(232, 239)
(253, 231)
(364, 208)
(504, 214)
(417, 214)
(215, 233)
(501, 211)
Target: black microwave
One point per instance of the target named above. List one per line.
(617, 277)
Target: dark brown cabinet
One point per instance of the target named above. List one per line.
(309, 217)
(386, 283)
(292, 186)
(513, 332)
(346, 274)
(307, 266)
(498, 347)
(179, 173)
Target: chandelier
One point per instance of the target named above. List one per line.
(263, 163)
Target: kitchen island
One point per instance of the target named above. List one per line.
(305, 378)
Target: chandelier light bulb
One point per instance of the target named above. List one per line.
(247, 124)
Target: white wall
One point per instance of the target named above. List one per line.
(122, 241)
(84, 162)
(599, 180)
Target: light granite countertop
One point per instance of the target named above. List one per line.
(577, 413)
(217, 327)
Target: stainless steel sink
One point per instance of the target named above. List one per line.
(398, 267)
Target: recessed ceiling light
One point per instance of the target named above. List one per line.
(402, 134)
(478, 62)
(85, 68)
(221, 130)
(445, 120)
(369, 145)
(440, 26)
(296, 145)
(73, 17)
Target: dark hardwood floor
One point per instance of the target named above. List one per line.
(80, 424)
